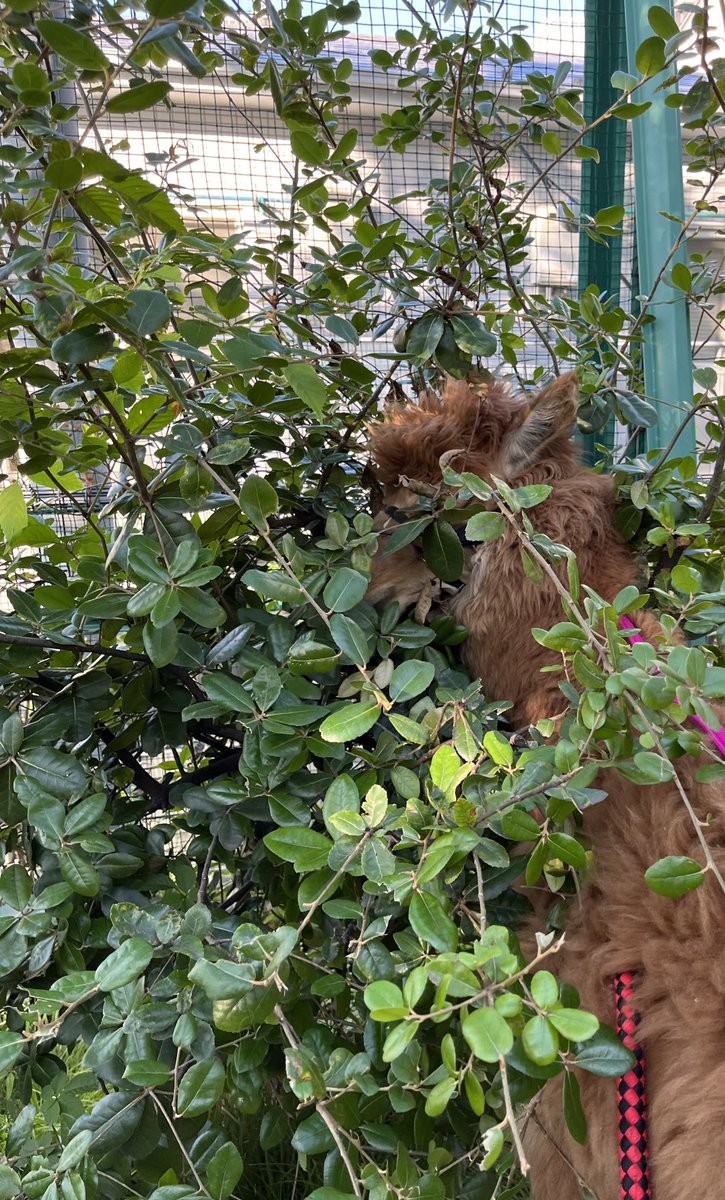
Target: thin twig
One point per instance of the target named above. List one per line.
(321, 1107)
(511, 1116)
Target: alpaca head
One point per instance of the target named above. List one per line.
(480, 428)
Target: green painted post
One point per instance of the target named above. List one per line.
(657, 148)
(602, 183)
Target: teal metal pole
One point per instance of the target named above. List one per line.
(602, 183)
(657, 148)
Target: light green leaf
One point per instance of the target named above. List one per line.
(308, 385)
(306, 849)
(13, 511)
(540, 1041)
(674, 875)
(574, 1024)
(410, 679)
(488, 1034)
(350, 722)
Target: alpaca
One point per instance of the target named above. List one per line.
(674, 944)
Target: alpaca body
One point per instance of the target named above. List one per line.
(618, 924)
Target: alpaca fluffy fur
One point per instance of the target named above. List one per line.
(618, 924)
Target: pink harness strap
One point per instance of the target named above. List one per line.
(631, 1099)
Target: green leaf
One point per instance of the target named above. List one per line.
(431, 922)
(544, 989)
(223, 979)
(148, 311)
(308, 385)
(307, 147)
(200, 1087)
(650, 56)
(75, 1150)
(674, 875)
(348, 635)
(135, 99)
(613, 215)
(343, 329)
(147, 1073)
(258, 500)
(72, 45)
(662, 22)
(344, 590)
(10, 1183)
(273, 585)
(202, 609)
(11, 1045)
(15, 886)
(385, 1001)
(443, 552)
(576, 1121)
(551, 142)
(472, 336)
(306, 849)
(13, 511)
(498, 748)
(488, 1034)
(485, 527)
(85, 815)
(57, 772)
(520, 826)
(398, 1040)
(540, 1041)
(653, 766)
(64, 174)
(438, 1097)
(603, 1054)
(224, 1171)
(627, 112)
(574, 1024)
(124, 964)
(424, 336)
(410, 679)
(78, 871)
(225, 689)
(160, 642)
(681, 277)
(568, 849)
(350, 722)
(82, 346)
(230, 645)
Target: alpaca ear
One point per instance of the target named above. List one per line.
(552, 413)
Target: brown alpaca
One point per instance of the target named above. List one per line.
(678, 946)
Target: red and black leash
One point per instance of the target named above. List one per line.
(631, 1099)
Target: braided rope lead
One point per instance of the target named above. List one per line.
(631, 1099)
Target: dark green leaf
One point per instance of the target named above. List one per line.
(443, 552)
(200, 1087)
(148, 311)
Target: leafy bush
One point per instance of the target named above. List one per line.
(258, 905)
